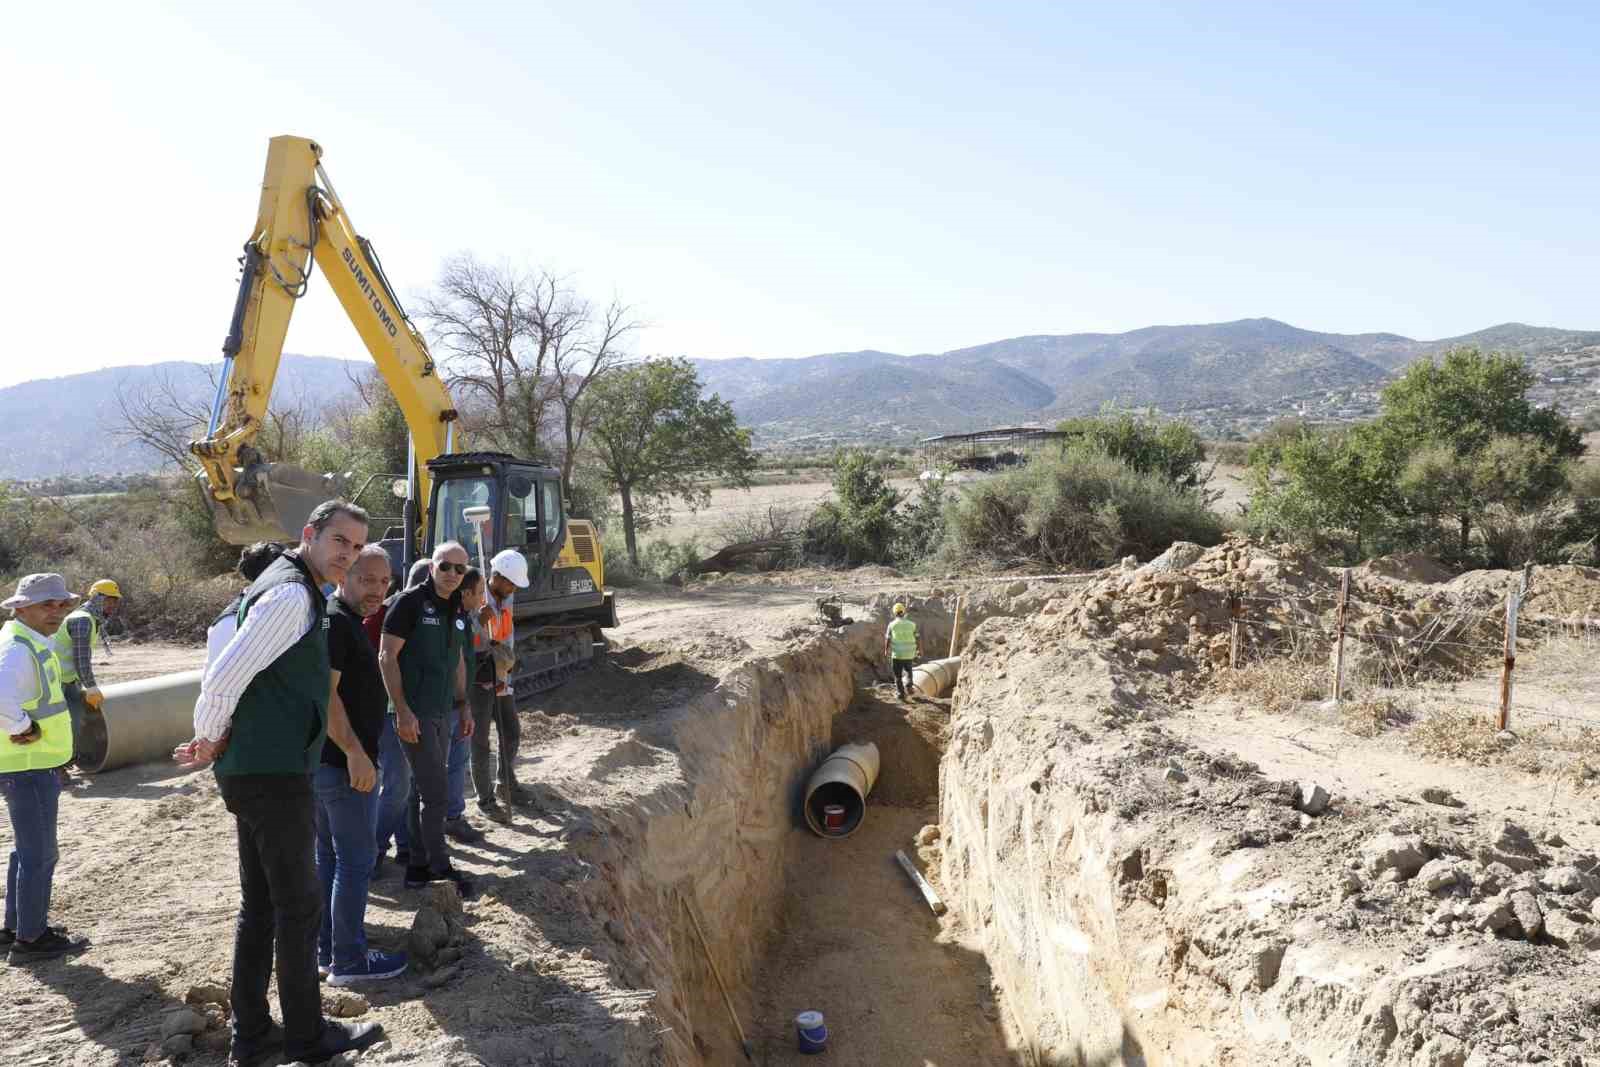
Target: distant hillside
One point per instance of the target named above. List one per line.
(65, 425)
(1227, 376)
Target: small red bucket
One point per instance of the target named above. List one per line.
(833, 816)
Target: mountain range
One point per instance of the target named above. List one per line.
(1228, 378)
(1217, 374)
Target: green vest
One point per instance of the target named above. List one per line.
(903, 639)
(282, 718)
(428, 660)
(63, 643)
(48, 709)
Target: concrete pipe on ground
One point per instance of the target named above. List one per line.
(843, 780)
(141, 722)
(936, 677)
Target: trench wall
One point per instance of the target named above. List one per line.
(714, 836)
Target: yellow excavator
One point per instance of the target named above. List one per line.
(488, 501)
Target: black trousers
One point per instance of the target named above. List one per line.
(502, 712)
(902, 666)
(430, 791)
(280, 905)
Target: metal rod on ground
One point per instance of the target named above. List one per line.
(920, 882)
(1338, 648)
(744, 1042)
(955, 629)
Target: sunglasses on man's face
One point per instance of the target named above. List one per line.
(457, 568)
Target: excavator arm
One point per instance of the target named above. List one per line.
(300, 221)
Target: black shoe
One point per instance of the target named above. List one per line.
(249, 1053)
(417, 877)
(494, 812)
(462, 830)
(47, 946)
(8, 936)
(336, 1037)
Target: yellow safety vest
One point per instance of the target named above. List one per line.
(48, 709)
(903, 639)
(63, 643)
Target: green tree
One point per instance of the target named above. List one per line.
(859, 524)
(1462, 435)
(1150, 445)
(1321, 487)
(655, 438)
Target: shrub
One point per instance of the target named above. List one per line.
(1078, 510)
(858, 525)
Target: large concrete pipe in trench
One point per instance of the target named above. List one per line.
(936, 677)
(141, 722)
(843, 780)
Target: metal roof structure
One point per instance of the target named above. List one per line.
(998, 435)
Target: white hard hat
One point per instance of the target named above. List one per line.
(510, 564)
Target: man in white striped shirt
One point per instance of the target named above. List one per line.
(262, 717)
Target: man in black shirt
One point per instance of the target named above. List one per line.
(346, 782)
(425, 637)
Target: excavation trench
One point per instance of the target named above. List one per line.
(792, 921)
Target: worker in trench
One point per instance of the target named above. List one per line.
(903, 646)
(37, 744)
(346, 784)
(261, 718)
(423, 660)
(74, 642)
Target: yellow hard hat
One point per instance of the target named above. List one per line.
(106, 587)
(899, 609)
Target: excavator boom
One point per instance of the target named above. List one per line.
(300, 221)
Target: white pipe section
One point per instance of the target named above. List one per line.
(140, 722)
(936, 677)
(844, 779)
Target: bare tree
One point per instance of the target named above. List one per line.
(521, 348)
(164, 417)
(575, 366)
(494, 327)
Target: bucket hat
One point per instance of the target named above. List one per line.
(36, 589)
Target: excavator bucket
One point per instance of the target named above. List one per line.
(271, 503)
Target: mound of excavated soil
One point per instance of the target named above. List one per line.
(1170, 619)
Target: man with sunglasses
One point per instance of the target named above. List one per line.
(425, 636)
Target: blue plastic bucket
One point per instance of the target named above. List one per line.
(813, 1036)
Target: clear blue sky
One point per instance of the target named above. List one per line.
(780, 180)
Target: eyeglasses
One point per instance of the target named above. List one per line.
(457, 568)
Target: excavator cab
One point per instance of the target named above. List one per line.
(559, 617)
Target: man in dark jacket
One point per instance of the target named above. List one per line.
(423, 659)
(261, 717)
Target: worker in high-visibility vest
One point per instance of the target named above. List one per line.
(75, 642)
(37, 744)
(903, 645)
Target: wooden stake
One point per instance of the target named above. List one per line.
(1338, 648)
(955, 630)
(745, 1045)
(1234, 611)
(927, 891)
(1513, 605)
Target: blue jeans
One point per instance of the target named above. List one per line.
(32, 798)
(347, 822)
(456, 766)
(394, 779)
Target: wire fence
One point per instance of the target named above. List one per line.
(1437, 639)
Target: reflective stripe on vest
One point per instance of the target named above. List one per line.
(903, 639)
(48, 709)
(63, 644)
